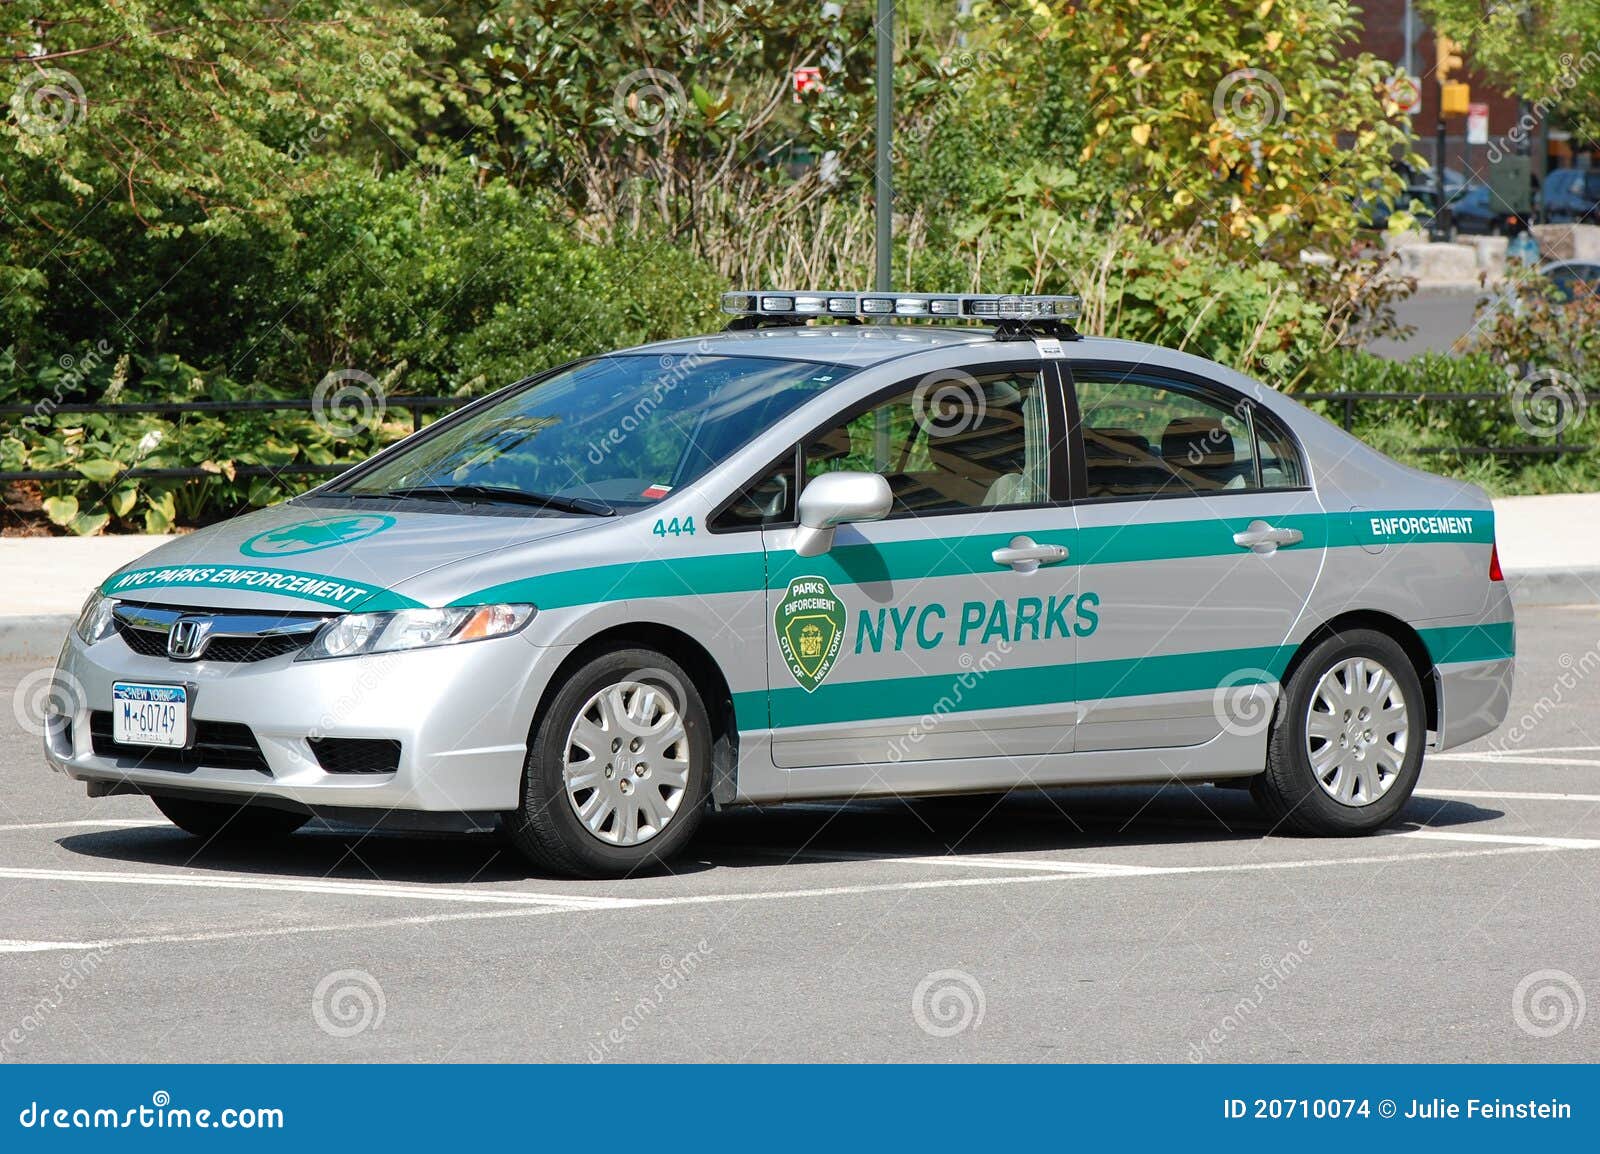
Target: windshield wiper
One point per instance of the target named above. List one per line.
(504, 495)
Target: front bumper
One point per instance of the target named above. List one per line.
(461, 714)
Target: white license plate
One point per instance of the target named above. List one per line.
(149, 714)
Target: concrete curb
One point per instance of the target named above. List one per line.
(39, 638)
(1555, 587)
(36, 638)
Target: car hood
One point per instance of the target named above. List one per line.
(321, 555)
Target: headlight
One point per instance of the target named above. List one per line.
(356, 633)
(94, 619)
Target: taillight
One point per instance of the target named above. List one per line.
(1494, 564)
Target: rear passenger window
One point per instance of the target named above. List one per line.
(954, 442)
(1146, 436)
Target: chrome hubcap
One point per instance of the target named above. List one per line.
(627, 762)
(1357, 729)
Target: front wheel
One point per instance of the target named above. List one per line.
(1345, 750)
(618, 768)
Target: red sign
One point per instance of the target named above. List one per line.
(807, 78)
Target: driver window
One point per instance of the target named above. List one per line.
(952, 442)
(768, 500)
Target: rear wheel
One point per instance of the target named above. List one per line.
(222, 821)
(618, 769)
(1346, 745)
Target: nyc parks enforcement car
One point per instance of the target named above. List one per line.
(807, 561)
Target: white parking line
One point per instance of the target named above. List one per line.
(316, 886)
(98, 823)
(1512, 759)
(1508, 795)
(522, 903)
(1501, 839)
(25, 947)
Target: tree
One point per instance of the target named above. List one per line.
(181, 116)
(680, 118)
(1545, 51)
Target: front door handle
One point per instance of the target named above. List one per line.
(1260, 537)
(1025, 555)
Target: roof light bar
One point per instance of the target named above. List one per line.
(949, 306)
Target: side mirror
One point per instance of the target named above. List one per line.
(835, 499)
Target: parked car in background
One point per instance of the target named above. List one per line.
(1572, 277)
(1475, 211)
(1571, 195)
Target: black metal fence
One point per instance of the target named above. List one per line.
(1346, 405)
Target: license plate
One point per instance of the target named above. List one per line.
(149, 714)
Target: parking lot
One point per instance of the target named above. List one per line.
(1126, 925)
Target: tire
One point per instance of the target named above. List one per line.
(583, 756)
(222, 821)
(1306, 766)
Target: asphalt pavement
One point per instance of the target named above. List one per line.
(1093, 925)
(1437, 320)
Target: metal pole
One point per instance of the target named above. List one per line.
(883, 192)
(1438, 229)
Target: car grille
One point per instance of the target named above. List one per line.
(217, 745)
(235, 636)
(357, 754)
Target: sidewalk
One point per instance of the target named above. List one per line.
(1549, 549)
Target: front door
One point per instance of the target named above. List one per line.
(1199, 533)
(946, 632)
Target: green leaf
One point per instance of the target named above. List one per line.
(102, 471)
(123, 500)
(88, 524)
(61, 510)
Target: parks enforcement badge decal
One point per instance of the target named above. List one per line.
(810, 626)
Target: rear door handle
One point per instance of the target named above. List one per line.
(1025, 555)
(1260, 537)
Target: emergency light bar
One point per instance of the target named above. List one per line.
(929, 306)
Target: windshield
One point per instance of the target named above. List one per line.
(614, 433)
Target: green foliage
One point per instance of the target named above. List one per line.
(1545, 51)
(1415, 430)
(212, 199)
(468, 282)
(195, 116)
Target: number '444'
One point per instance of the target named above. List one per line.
(674, 527)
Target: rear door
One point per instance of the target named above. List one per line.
(1199, 542)
(946, 632)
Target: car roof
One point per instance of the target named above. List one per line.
(863, 346)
